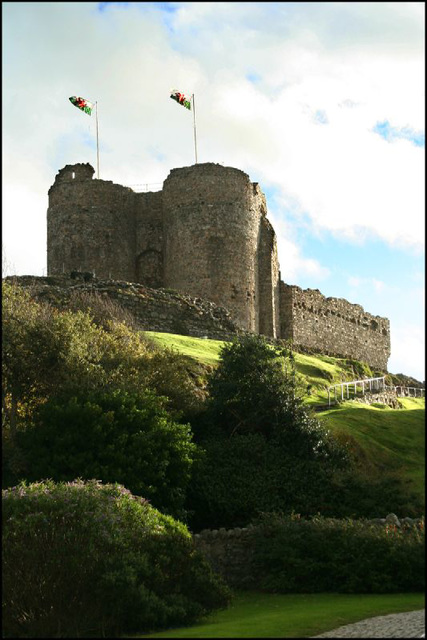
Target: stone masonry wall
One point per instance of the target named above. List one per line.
(334, 326)
(149, 268)
(230, 552)
(90, 225)
(206, 235)
(268, 281)
(211, 226)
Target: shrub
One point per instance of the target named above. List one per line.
(263, 449)
(254, 390)
(85, 559)
(235, 479)
(115, 437)
(294, 555)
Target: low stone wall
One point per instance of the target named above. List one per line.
(230, 552)
(388, 398)
(152, 309)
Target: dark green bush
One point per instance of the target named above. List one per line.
(83, 559)
(115, 437)
(254, 390)
(294, 555)
(235, 479)
(263, 450)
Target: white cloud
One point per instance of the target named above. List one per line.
(407, 351)
(377, 285)
(288, 92)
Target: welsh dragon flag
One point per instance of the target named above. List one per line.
(181, 98)
(82, 104)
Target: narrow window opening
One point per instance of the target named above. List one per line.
(73, 175)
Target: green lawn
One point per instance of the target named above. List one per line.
(318, 371)
(206, 351)
(386, 439)
(390, 439)
(263, 615)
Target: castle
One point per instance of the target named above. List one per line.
(205, 234)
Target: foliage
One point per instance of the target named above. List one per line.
(360, 369)
(82, 559)
(262, 448)
(234, 479)
(254, 390)
(47, 352)
(294, 555)
(104, 310)
(116, 437)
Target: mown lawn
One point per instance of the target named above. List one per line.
(265, 615)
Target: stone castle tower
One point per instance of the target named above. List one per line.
(205, 234)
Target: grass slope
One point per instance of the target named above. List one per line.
(384, 439)
(262, 615)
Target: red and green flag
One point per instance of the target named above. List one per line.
(83, 104)
(181, 98)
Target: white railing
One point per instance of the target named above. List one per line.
(366, 385)
(369, 385)
(408, 392)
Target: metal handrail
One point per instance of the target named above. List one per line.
(369, 384)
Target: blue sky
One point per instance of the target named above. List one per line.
(323, 104)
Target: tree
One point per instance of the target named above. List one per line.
(113, 437)
(254, 390)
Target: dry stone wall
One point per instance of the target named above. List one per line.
(230, 552)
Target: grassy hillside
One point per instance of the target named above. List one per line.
(383, 439)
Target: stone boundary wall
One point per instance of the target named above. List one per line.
(230, 552)
(333, 326)
(152, 309)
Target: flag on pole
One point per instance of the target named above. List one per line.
(180, 98)
(83, 104)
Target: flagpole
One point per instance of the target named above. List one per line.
(97, 140)
(194, 124)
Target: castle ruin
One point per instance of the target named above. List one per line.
(205, 234)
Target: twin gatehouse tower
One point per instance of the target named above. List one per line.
(206, 234)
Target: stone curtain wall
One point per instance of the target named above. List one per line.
(152, 309)
(149, 239)
(334, 326)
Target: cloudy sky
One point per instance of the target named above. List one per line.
(321, 103)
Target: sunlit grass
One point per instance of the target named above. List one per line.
(264, 615)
